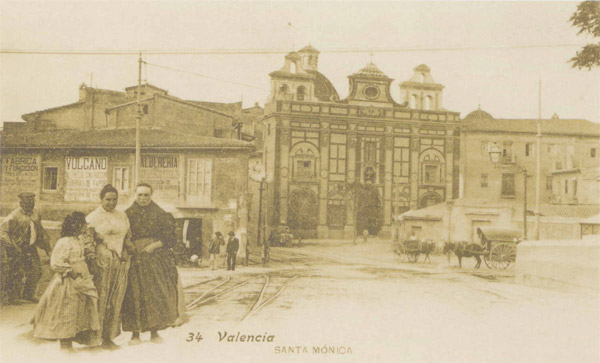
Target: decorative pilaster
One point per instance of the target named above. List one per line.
(284, 172)
(415, 143)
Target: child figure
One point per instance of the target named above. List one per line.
(68, 308)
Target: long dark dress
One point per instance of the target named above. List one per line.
(151, 298)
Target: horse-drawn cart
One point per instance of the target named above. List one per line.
(498, 248)
(413, 248)
(501, 245)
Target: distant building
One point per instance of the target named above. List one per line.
(566, 144)
(316, 145)
(99, 109)
(492, 195)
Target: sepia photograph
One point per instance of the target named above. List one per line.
(270, 181)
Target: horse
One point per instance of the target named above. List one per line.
(426, 247)
(464, 249)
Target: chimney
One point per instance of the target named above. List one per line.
(82, 92)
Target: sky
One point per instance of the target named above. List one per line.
(466, 45)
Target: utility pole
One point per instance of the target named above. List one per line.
(538, 167)
(524, 203)
(260, 197)
(138, 119)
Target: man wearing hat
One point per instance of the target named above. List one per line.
(233, 245)
(21, 233)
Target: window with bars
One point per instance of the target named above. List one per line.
(401, 157)
(484, 180)
(337, 159)
(199, 178)
(51, 178)
(508, 185)
(121, 179)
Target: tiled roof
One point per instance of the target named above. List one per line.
(569, 211)
(549, 126)
(309, 48)
(324, 89)
(371, 70)
(116, 139)
(478, 114)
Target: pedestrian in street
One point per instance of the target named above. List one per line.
(112, 252)
(233, 245)
(151, 300)
(68, 308)
(21, 233)
(214, 249)
(365, 235)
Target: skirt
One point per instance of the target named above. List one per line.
(67, 309)
(151, 301)
(111, 282)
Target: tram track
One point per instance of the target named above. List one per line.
(231, 299)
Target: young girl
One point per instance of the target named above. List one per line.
(68, 308)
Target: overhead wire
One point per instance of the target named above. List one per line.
(241, 51)
(204, 76)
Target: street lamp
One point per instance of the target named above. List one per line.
(495, 158)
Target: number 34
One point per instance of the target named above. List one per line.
(194, 336)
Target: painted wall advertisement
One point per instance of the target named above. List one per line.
(20, 173)
(162, 172)
(84, 177)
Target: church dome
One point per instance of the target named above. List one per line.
(370, 70)
(324, 89)
(478, 114)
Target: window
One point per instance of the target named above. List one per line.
(413, 101)
(574, 187)
(50, 178)
(549, 183)
(199, 178)
(305, 169)
(428, 103)
(507, 149)
(300, 94)
(283, 89)
(593, 152)
(551, 149)
(337, 159)
(508, 184)
(484, 180)
(430, 174)
(121, 179)
(370, 152)
(566, 187)
(529, 149)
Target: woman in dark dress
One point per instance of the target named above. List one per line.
(150, 302)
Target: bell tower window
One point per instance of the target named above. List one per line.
(301, 93)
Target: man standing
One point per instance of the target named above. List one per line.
(21, 234)
(213, 250)
(233, 245)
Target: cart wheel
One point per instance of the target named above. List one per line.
(488, 262)
(413, 256)
(399, 251)
(502, 256)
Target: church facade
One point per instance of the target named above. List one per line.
(337, 166)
